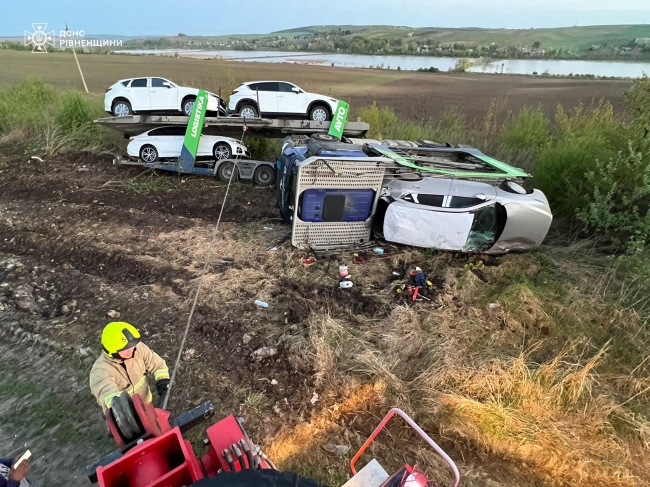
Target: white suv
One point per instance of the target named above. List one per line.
(135, 95)
(279, 98)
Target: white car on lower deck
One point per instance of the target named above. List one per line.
(138, 95)
(167, 142)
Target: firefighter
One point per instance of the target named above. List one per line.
(123, 365)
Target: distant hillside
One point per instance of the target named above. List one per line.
(591, 42)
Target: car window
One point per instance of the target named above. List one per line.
(139, 83)
(157, 82)
(285, 87)
(268, 86)
(254, 86)
(173, 131)
(126, 82)
(425, 199)
(155, 132)
(464, 202)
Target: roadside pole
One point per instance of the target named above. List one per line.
(193, 133)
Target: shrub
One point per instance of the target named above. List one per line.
(619, 202)
(581, 137)
(528, 129)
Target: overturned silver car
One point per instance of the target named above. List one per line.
(337, 194)
(462, 215)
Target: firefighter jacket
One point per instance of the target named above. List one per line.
(110, 377)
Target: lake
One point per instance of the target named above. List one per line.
(620, 69)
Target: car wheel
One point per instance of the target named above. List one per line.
(122, 108)
(319, 114)
(226, 171)
(264, 176)
(324, 138)
(222, 151)
(187, 107)
(248, 111)
(149, 153)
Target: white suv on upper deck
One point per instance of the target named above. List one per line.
(135, 95)
(280, 98)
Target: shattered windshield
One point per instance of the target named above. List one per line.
(487, 226)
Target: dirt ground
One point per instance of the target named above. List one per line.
(415, 96)
(78, 242)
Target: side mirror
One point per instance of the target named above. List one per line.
(295, 90)
(167, 84)
(481, 196)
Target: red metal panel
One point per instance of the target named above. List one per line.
(163, 461)
(222, 435)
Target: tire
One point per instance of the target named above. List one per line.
(221, 150)
(121, 108)
(187, 106)
(319, 113)
(126, 418)
(148, 153)
(248, 111)
(224, 170)
(258, 478)
(264, 175)
(431, 144)
(325, 138)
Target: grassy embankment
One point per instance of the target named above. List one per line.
(552, 384)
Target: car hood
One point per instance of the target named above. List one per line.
(526, 226)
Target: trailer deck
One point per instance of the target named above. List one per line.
(230, 126)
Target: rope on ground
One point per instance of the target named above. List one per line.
(198, 288)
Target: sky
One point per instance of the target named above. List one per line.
(216, 17)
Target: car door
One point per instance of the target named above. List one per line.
(163, 95)
(174, 137)
(267, 92)
(291, 99)
(468, 194)
(138, 94)
(206, 143)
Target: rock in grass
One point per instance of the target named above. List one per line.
(264, 352)
(336, 449)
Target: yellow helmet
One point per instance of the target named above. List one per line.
(118, 336)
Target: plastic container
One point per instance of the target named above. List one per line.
(346, 284)
(378, 251)
(261, 304)
(343, 270)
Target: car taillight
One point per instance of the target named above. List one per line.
(233, 92)
(131, 140)
(108, 89)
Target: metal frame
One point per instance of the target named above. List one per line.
(334, 173)
(419, 431)
(230, 126)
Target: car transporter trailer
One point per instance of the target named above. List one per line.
(262, 172)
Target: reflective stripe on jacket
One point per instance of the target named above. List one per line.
(110, 377)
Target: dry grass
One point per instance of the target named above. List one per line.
(531, 385)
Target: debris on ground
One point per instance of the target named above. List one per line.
(264, 352)
(314, 398)
(114, 314)
(261, 304)
(336, 449)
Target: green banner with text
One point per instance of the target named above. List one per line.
(339, 119)
(193, 132)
